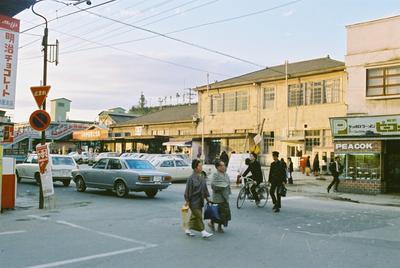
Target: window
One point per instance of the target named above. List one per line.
(314, 92)
(230, 102)
(383, 81)
(296, 95)
(180, 163)
(101, 164)
(332, 91)
(269, 141)
(312, 138)
(139, 164)
(114, 164)
(242, 101)
(67, 161)
(217, 104)
(168, 163)
(269, 97)
(35, 160)
(60, 104)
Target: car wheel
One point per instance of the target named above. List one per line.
(18, 177)
(151, 193)
(80, 184)
(121, 189)
(66, 183)
(37, 178)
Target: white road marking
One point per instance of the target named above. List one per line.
(293, 197)
(69, 224)
(13, 232)
(91, 257)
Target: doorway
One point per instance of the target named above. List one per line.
(392, 166)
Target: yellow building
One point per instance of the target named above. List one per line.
(295, 101)
(169, 129)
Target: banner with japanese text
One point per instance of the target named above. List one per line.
(9, 33)
(46, 175)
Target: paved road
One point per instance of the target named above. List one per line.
(97, 229)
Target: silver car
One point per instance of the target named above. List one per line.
(122, 175)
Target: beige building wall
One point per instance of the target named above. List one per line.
(279, 118)
(370, 45)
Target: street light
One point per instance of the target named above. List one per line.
(45, 60)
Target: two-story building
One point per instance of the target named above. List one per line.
(368, 138)
(294, 100)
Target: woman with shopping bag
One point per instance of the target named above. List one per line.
(221, 189)
(195, 193)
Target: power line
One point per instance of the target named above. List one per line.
(66, 15)
(108, 25)
(142, 19)
(177, 39)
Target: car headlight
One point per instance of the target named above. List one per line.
(144, 178)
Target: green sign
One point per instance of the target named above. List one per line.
(366, 126)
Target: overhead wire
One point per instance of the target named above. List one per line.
(177, 39)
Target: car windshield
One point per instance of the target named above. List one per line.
(62, 161)
(139, 164)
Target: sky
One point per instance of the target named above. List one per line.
(96, 73)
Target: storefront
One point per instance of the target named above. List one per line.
(369, 148)
(94, 137)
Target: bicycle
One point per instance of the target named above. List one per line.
(245, 192)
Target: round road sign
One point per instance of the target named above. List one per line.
(40, 120)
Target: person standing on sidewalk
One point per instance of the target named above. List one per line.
(195, 193)
(315, 167)
(221, 189)
(336, 169)
(285, 167)
(290, 170)
(308, 166)
(277, 175)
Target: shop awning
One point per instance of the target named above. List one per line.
(178, 143)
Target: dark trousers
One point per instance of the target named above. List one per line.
(253, 190)
(290, 178)
(335, 182)
(276, 199)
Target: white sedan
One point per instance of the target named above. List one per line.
(179, 169)
(61, 168)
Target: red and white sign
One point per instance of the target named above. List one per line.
(40, 94)
(46, 175)
(9, 33)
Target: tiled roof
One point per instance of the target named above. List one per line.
(177, 113)
(295, 69)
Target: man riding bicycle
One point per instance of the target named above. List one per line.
(256, 175)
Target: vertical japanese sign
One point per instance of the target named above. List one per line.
(46, 176)
(9, 33)
(1, 172)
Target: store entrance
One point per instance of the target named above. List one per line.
(392, 166)
(214, 148)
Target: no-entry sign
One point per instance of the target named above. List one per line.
(40, 120)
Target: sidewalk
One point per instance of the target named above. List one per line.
(316, 186)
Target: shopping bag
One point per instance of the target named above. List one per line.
(212, 212)
(185, 217)
(282, 190)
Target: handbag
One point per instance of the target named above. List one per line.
(185, 217)
(282, 190)
(212, 212)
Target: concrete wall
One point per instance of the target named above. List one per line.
(370, 45)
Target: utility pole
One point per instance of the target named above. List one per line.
(190, 94)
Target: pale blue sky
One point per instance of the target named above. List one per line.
(103, 78)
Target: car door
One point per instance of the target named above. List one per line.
(95, 175)
(32, 167)
(168, 166)
(22, 168)
(183, 169)
(112, 171)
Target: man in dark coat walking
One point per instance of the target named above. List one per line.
(277, 176)
(336, 169)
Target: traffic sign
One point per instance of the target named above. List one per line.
(40, 94)
(40, 120)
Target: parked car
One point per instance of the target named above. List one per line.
(61, 168)
(122, 175)
(80, 158)
(179, 169)
(105, 155)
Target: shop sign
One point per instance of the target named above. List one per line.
(366, 126)
(358, 146)
(9, 32)
(46, 175)
(90, 135)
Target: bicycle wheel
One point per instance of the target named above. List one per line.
(263, 195)
(241, 198)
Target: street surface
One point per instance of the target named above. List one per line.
(97, 229)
